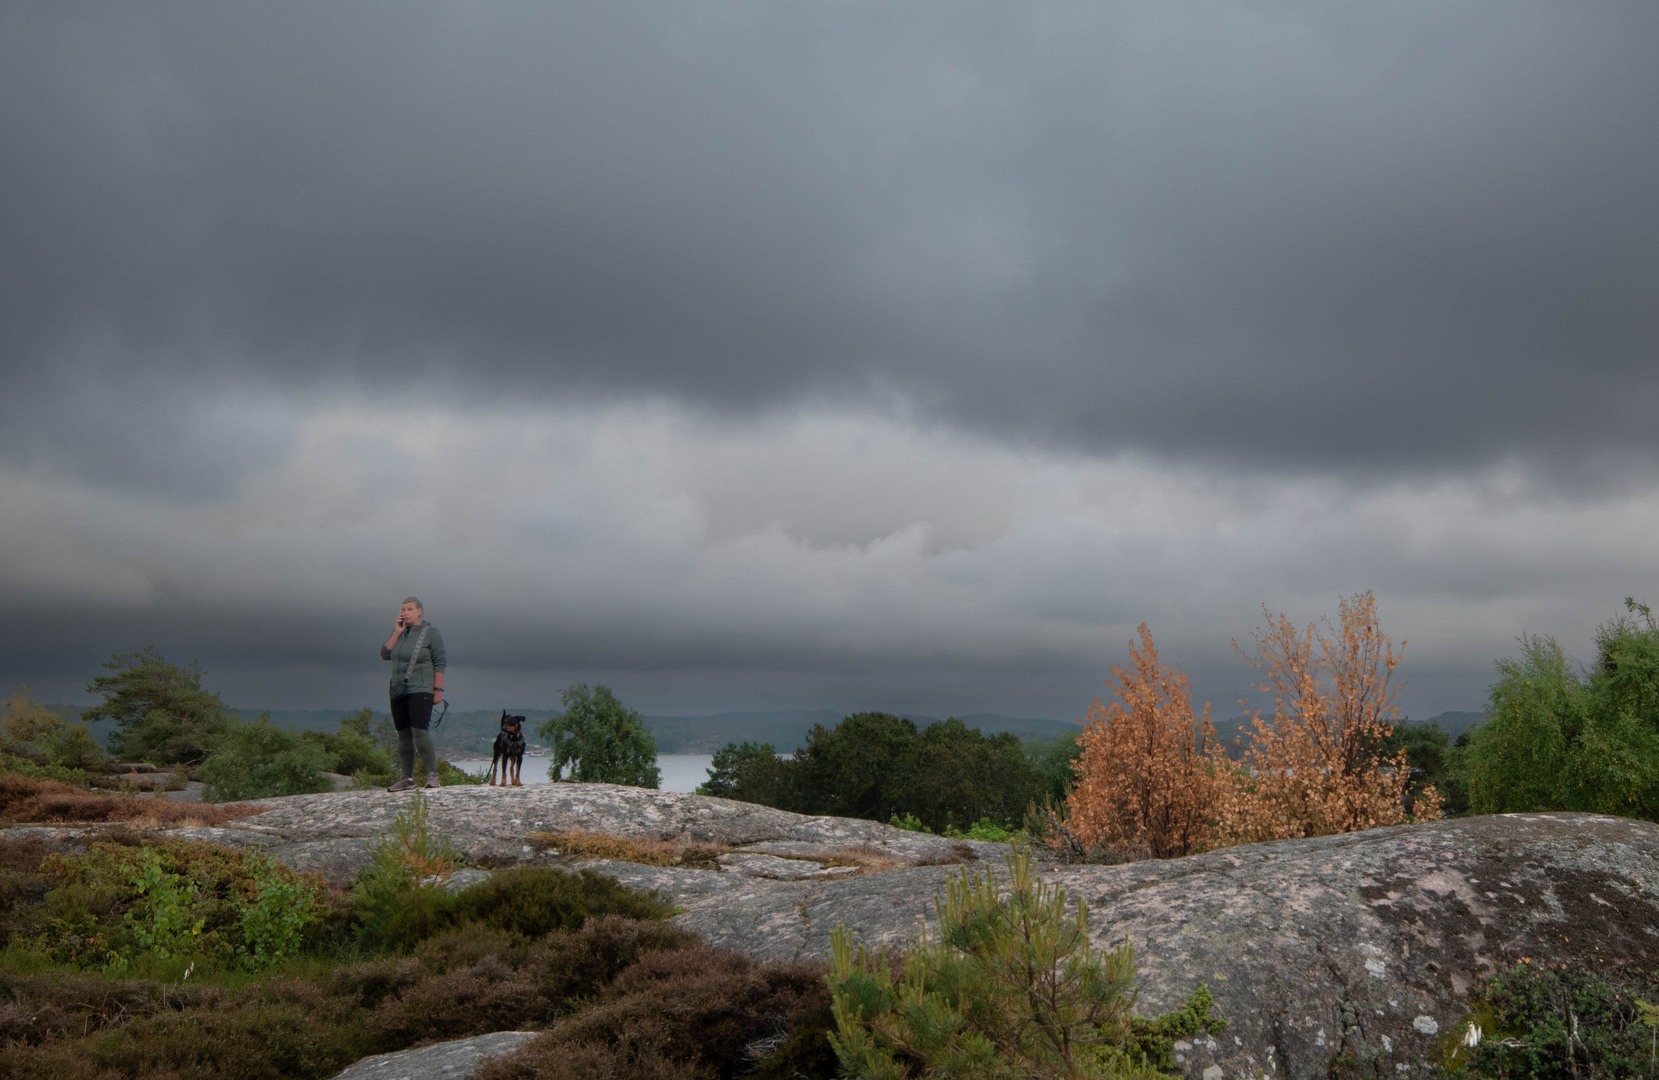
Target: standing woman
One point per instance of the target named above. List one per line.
(416, 651)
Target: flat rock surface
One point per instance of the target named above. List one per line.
(756, 864)
(1365, 945)
(454, 1060)
(492, 826)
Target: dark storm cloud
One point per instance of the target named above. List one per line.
(1291, 235)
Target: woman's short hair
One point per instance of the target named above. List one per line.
(414, 600)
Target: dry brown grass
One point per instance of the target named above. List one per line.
(28, 801)
(589, 845)
(868, 859)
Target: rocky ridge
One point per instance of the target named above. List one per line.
(1361, 948)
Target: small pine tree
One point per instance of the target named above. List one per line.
(1009, 985)
(161, 711)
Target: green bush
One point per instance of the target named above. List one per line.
(410, 852)
(987, 830)
(114, 905)
(352, 754)
(22, 766)
(450, 775)
(1008, 985)
(1544, 1022)
(1556, 738)
(260, 760)
(72, 747)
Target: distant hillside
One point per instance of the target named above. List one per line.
(1452, 723)
(303, 719)
(705, 734)
(1234, 732)
(1024, 727)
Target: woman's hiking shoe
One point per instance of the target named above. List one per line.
(432, 781)
(403, 785)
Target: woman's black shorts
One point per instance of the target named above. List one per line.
(411, 711)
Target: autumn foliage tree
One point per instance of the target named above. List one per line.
(1154, 782)
(1148, 783)
(1317, 767)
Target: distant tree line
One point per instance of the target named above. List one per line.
(163, 716)
(877, 766)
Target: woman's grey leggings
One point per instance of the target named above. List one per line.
(410, 715)
(410, 740)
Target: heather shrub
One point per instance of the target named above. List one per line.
(530, 901)
(305, 1023)
(691, 1013)
(31, 799)
(573, 965)
(22, 886)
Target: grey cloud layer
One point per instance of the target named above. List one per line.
(935, 574)
(881, 355)
(1278, 235)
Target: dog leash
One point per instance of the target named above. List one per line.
(440, 719)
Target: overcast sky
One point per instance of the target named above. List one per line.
(838, 355)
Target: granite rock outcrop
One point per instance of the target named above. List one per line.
(1363, 948)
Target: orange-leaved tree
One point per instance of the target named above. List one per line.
(1317, 768)
(1147, 784)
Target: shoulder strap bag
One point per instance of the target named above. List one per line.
(409, 671)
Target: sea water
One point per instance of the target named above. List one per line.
(680, 772)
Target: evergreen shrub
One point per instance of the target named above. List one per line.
(1552, 1022)
(1009, 985)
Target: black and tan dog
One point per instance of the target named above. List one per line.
(509, 750)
